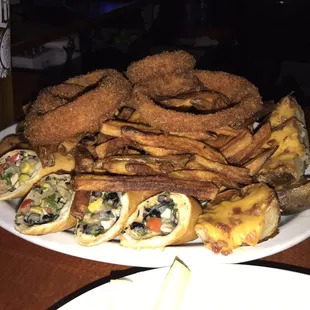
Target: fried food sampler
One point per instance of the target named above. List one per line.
(160, 64)
(84, 114)
(203, 190)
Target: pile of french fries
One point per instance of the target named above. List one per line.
(228, 158)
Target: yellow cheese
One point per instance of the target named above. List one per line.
(233, 223)
(37, 210)
(25, 167)
(95, 205)
(284, 111)
(23, 178)
(45, 185)
(289, 145)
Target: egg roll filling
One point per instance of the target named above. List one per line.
(103, 212)
(16, 169)
(45, 201)
(155, 219)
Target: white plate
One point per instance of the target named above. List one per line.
(293, 229)
(234, 287)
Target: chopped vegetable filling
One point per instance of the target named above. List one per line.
(45, 201)
(157, 219)
(16, 170)
(103, 211)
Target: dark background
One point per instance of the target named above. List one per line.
(266, 41)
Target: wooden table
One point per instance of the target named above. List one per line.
(32, 277)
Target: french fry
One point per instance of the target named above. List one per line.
(203, 175)
(144, 164)
(236, 174)
(46, 154)
(226, 195)
(88, 182)
(101, 138)
(112, 147)
(125, 113)
(135, 117)
(12, 142)
(172, 142)
(84, 161)
(219, 142)
(227, 131)
(240, 142)
(158, 151)
(67, 147)
(255, 164)
(113, 128)
(80, 204)
(259, 139)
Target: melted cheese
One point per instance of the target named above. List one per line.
(289, 146)
(230, 224)
(284, 111)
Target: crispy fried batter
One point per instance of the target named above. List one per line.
(84, 114)
(203, 190)
(44, 103)
(247, 102)
(160, 64)
(173, 84)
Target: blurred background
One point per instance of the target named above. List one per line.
(265, 41)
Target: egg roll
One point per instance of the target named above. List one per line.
(21, 168)
(46, 208)
(107, 215)
(164, 219)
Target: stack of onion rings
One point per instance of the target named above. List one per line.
(79, 105)
(166, 80)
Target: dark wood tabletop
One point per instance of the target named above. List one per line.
(32, 277)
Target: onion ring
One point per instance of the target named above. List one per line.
(160, 64)
(238, 90)
(172, 84)
(82, 113)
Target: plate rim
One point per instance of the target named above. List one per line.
(229, 269)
